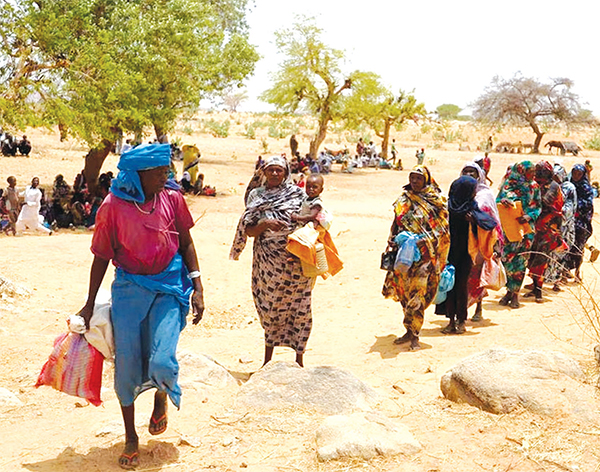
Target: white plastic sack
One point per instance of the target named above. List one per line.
(100, 334)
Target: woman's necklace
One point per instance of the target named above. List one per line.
(147, 212)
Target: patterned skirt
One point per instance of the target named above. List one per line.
(282, 294)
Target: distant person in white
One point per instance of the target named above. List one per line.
(29, 218)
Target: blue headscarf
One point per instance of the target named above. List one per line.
(127, 184)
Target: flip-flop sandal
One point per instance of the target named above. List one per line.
(133, 460)
(154, 429)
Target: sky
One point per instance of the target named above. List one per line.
(447, 51)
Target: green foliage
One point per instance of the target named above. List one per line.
(250, 132)
(216, 128)
(264, 145)
(187, 129)
(97, 66)
(594, 142)
(309, 77)
(448, 111)
(374, 104)
(274, 132)
(258, 124)
(445, 133)
(426, 128)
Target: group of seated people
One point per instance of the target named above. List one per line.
(61, 207)
(9, 145)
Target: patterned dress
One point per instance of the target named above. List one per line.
(554, 270)
(424, 214)
(282, 294)
(548, 226)
(519, 185)
(583, 217)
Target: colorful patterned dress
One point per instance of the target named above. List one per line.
(583, 217)
(424, 214)
(548, 234)
(554, 271)
(519, 185)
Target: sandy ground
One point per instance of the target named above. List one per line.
(353, 329)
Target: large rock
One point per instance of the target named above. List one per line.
(8, 399)
(199, 370)
(500, 381)
(363, 436)
(328, 390)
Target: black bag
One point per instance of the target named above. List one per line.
(388, 259)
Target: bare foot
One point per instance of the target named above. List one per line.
(130, 457)
(505, 300)
(460, 328)
(404, 339)
(414, 344)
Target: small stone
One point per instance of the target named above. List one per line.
(243, 465)
(189, 441)
(228, 441)
(7, 398)
(245, 360)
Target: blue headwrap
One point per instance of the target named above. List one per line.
(127, 184)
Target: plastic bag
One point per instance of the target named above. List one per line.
(446, 284)
(408, 252)
(74, 367)
(493, 275)
(100, 334)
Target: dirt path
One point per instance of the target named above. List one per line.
(353, 329)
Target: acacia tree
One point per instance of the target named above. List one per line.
(309, 77)
(102, 67)
(373, 103)
(526, 101)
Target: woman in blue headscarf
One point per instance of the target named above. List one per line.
(144, 228)
(583, 217)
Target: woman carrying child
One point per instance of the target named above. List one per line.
(282, 293)
(421, 211)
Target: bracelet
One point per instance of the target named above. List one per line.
(194, 274)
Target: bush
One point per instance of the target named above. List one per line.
(265, 145)
(250, 132)
(274, 132)
(593, 143)
(217, 129)
(187, 129)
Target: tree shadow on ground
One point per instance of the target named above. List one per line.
(154, 456)
(386, 348)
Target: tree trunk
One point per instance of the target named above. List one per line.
(63, 130)
(93, 164)
(386, 138)
(319, 136)
(161, 134)
(538, 137)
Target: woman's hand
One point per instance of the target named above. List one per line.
(273, 225)
(524, 219)
(86, 313)
(506, 202)
(469, 217)
(197, 306)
